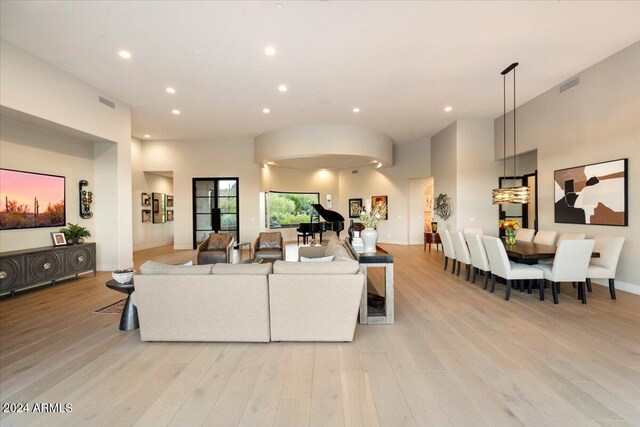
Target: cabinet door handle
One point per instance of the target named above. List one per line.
(3, 274)
(46, 265)
(80, 258)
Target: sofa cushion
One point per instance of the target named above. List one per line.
(212, 257)
(261, 269)
(339, 252)
(318, 259)
(269, 253)
(218, 241)
(158, 268)
(270, 240)
(335, 267)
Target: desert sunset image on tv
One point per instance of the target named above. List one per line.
(31, 200)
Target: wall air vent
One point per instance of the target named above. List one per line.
(571, 83)
(106, 102)
(354, 171)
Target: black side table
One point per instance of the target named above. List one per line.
(129, 319)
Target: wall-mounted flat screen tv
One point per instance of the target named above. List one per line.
(31, 200)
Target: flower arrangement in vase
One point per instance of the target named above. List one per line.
(371, 220)
(509, 226)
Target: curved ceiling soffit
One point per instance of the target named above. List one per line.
(324, 147)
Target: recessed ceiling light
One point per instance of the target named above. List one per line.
(146, 135)
(448, 108)
(176, 112)
(270, 50)
(125, 54)
(171, 90)
(282, 88)
(279, 5)
(356, 110)
(266, 110)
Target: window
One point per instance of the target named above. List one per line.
(290, 209)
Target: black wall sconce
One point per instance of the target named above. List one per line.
(86, 197)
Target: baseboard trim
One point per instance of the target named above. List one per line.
(620, 286)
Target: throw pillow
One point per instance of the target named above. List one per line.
(320, 259)
(269, 241)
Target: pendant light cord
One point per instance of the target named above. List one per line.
(504, 126)
(514, 128)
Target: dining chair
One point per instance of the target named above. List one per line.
(545, 237)
(609, 248)
(563, 236)
(570, 264)
(525, 234)
(479, 258)
(476, 230)
(571, 236)
(449, 252)
(462, 253)
(510, 271)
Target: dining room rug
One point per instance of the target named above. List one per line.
(115, 308)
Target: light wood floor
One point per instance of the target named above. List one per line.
(457, 355)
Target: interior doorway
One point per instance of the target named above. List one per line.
(216, 207)
(419, 209)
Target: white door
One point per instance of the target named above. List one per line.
(417, 188)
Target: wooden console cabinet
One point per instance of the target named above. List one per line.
(33, 267)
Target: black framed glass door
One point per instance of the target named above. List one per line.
(215, 207)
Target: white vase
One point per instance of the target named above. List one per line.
(369, 239)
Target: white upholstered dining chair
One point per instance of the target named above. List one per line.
(571, 236)
(561, 237)
(510, 271)
(449, 252)
(476, 230)
(479, 258)
(525, 234)
(570, 264)
(545, 237)
(609, 248)
(462, 253)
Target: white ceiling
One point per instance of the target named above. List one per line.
(400, 62)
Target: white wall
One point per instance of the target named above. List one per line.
(34, 88)
(596, 121)
(27, 147)
(444, 168)
(147, 235)
(274, 178)
(202, 159)
(410, 160)
(477, 175)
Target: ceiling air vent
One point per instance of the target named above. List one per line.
(106, 102)
(568, 85)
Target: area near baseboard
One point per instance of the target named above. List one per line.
(622, 286)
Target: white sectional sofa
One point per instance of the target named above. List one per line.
(311, 301)
(220, 302)
(284, 301)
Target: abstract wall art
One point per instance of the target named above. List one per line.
(593, 194)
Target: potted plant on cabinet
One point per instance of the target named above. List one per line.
(75, 233)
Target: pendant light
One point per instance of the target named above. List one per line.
(515, 195)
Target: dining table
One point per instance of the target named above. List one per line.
(531, 253)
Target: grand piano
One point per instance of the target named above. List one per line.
(333, 221)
